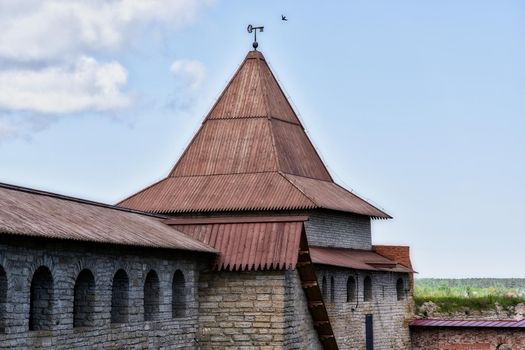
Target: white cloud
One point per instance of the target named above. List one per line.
(192, 70)
(84, 85)
(46, 50)
(34, 30)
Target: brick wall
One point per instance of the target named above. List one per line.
(467, 339)
(334, 229)
(20, 258)
(390, 315)
(264, 310)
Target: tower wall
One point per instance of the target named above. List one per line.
(255, 309)
(343, 230)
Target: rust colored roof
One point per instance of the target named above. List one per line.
(401, 254)
(29, 212)
(245, 244)
(468, 323)
(251, 153)
(251, 191)
(355, 259)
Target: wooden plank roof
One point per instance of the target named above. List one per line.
(28, 212)
(251, 153)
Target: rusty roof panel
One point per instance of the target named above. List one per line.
(34, 213)
(355, 259)
(329, 195)
(252, 191)
(228, 147)
(296, 153)
(249, 246)
(253, 92)
(468, 323)
(259, 191)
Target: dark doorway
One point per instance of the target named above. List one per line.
(369, 332)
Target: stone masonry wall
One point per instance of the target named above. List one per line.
(343, 230)
(467, 339)
(390, 315)
(299, 328)
(20, 258)
(254, 310)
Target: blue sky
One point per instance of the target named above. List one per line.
(417, 106)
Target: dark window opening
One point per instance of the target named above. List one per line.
(3, 298)
(84, 299)
(178, 295)
(41, 300)
(351, 289)
(151, 296)
(400, 289)
(119, 297)
(367, 288)
(332, 289)
(323, 287)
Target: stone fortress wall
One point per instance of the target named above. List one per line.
(65, 295)
(349, 299)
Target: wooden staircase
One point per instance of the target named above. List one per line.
(314, 297)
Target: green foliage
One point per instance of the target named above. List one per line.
(465, 295)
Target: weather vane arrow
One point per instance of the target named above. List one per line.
(252, 29)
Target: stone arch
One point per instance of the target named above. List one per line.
(351, 289)
(120, 297)
(332, 289)
(3, 297)
(84, 299)
(367, 288)
(178, 295)
(41, 300)
(151, 296)
(324, 287)
(400, 288)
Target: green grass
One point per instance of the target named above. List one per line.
(453, 296)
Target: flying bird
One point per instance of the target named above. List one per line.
(283, 17)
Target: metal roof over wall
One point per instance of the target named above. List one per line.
(355, 259)
(27, 212)
(248, 243)
(468, 323)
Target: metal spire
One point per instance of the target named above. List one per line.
(254, 30)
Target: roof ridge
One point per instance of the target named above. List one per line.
(298, 189)
(76, 199)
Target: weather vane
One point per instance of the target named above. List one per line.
(254, 30)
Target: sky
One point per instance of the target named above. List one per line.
(419, 107)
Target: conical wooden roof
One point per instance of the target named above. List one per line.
(251, 153)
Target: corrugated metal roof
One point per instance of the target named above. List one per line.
(253, 92)
(255, 191)
(34, 213)
(227, 146)
(468, 323)
(329, 195)
(355, 259)
(246, 244)
(258, 191)
(248, 147)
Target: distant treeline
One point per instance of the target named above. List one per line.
(506, 283)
